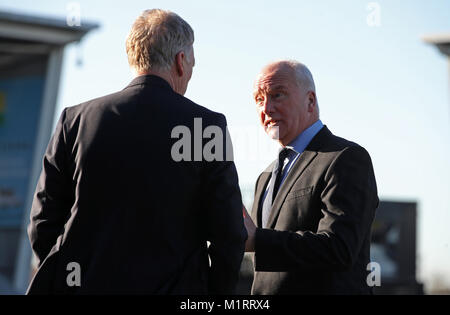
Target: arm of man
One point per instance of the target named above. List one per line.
(348, 204)
(53, 197)
(224, 222)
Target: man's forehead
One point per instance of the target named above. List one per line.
(269, 87)
(272, 80)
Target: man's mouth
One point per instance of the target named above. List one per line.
(272, 128)
(271, 123)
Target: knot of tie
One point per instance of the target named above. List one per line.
(284, 153)
(275, 183)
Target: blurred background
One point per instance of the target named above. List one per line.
(382, 78)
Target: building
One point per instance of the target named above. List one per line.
(31, 55)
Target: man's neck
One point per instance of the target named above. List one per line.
(162, 74)
(286, 143)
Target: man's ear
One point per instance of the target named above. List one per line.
(179, 58)
(311, 99)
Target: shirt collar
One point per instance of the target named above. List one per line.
(300, 143)
(149, 79)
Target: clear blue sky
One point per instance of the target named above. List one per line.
(382, 87)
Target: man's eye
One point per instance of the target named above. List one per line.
(277, 95)
(259, 99)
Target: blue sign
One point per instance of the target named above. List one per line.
(20, 107)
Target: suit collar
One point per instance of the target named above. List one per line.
(319, 140)
(150, 79)
(297, 169)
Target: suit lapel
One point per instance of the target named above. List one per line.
(297, 169)
(260, 188)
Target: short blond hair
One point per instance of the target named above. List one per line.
(155, 38)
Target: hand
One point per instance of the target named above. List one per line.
(251, 229)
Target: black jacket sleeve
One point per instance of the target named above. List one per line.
(224, 221)
(52, 199)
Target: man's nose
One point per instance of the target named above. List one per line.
(268, 107)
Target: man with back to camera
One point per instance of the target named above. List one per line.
(314, 205)
(112, 199)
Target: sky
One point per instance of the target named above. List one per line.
(377, 82)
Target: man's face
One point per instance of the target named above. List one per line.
(282, 105)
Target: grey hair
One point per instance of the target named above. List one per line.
(303, 77)
(302, 74)
(155, 38)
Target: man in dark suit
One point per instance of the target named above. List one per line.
(114, 210)
(315, 204)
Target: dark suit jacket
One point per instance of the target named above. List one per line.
(318, 240)
(112, 199)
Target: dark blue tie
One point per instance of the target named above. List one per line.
(274, 185)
